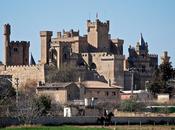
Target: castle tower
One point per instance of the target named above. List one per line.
(15, 52)
(6, 43)
(142, 47)
(45, 46)
(98, 35)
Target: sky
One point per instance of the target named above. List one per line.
(155, 19)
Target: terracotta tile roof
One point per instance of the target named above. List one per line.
(55, 85)
(98, 84)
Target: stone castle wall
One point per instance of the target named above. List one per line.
(108, 66)
(25, 73)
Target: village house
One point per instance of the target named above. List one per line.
(59, 92)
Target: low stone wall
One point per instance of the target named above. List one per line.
(9, 122)
(91, 121)
(144, 120)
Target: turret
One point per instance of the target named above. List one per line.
(45, 46)
(6, 42)
(142, 47)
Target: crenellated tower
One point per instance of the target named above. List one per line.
(15, 52)
(98, 36)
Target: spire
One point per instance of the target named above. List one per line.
(32, 61)
(142, 42)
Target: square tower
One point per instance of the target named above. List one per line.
(15, 52)
(98, 36)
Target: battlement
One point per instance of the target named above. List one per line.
(21, 67)
(45, 33)
(153, 55)
(97, 24)
(117, 41)
(67, 34)
(7, 30)
(18, 43)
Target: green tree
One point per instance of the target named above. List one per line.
(166, 71)
(43, 104)
(131, 106)
(161, 76)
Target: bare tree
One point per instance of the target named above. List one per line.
(67, 73)
(30, 105)
(7, 96)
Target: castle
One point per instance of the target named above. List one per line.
(96, 51)
(16, 62)
(15, 53)
(141, 64)
(100, 57)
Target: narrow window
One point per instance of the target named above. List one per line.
(15, 49)
(113, 93)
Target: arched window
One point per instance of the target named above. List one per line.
(53, 56)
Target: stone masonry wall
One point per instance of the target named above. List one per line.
(24, 73)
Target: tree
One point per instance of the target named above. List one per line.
(131, 106)
(67, 73)
(161, 76)
(166, 71)
(43, 104)
(30, 105)
(105, 105)
(7, 96)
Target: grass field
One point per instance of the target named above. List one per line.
(122, 127)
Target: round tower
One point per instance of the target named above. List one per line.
(6, 43)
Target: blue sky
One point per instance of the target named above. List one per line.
(155, 19)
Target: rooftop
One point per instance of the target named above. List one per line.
(55, 85)
(98, 84)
